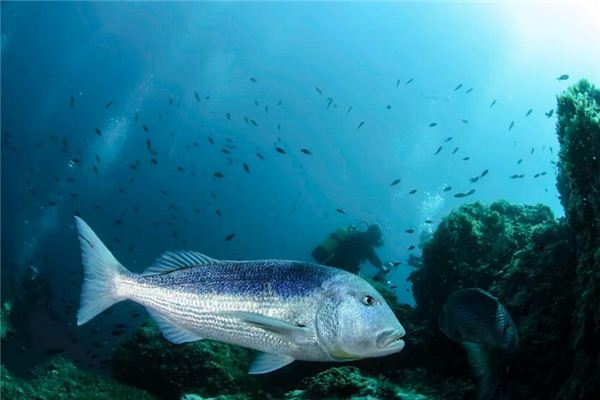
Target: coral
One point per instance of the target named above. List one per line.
(60, 379)
(470, 247)
(578, 182)
(208, 368)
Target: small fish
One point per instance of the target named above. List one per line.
(72, 102)
(512, 123)
(340, 211)
(252, 79)
(465, 121)
(246, 167)
(473, 180)
(447, 188)
(229, 237)
(470, 192)
(428, 221)
(455, 150)
(395, 182)
(433, 124)
(145, 128)
(520, 161)
(210, 140)
(484, 173)
(413, 191)
(410, 231)
(107, 105)
(306, 151)
(532, 150)
(528, 112)
(154, 161)
(411, 247)
(389, 106)
(260, 156)
(197, 96)
(349, 109)
(438, 150)
(493, 103)
(318, 90)
(218, 174)
(280, 150)
(409, 81)
(469, 90)
(360, 124)
(253, 122)
(279, 102)
(449, 138)
(536, 175)
(397, 83)
(458, 87)
(98, 131)
(514, 177)
(549, 113)
(180, 168)
(228, 116)
(563, 77)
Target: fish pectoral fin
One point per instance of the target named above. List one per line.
(172, 332)
(267, 362)
(486, 364)
(293, 332)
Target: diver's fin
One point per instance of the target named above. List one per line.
(173, 260)
(267, 362)
(486, 364)
(293, 332)
(100, 268)
(170, 331)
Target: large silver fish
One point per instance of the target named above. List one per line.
(288, 310)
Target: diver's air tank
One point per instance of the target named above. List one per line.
(327, 248)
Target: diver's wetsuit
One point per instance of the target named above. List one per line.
(350, 253)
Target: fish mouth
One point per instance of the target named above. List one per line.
(389, 339)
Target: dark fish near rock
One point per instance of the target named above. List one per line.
(549, 113)
(563, 77)
(481, 324)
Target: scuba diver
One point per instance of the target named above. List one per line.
(348, 247)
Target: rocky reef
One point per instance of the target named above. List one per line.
(60, 379)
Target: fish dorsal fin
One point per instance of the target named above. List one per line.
(174, 260)
(170, 331)
(267, 362)
(294, 333)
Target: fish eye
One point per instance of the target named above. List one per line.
(368, 300)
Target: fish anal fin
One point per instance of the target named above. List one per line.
(268, 362)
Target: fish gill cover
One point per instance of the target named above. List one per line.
(253, 131)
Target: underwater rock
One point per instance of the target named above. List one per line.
(578, 182)
(61, 379)
(6, 327)
(469, 249)
(147, 360)
(349, 383)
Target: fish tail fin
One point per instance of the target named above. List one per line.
(487, 365)
(100, 270)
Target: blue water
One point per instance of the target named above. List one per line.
(153, 59)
